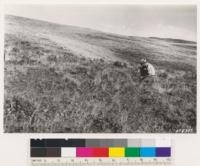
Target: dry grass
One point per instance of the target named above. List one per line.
(52, 87)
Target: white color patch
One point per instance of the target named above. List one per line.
(68, 152)
(163, 143)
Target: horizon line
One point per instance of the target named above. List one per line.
(6, 14)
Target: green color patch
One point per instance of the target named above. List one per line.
(132, 152)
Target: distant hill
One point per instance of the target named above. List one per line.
(95, 44)
(174, 40)
(61, 78)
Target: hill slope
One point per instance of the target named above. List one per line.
(62, 78)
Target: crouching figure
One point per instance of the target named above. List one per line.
(146, 70)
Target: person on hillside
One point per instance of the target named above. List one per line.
(146, 69)
(148, 77)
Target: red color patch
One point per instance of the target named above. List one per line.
(100, 152)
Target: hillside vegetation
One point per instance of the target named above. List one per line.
(70, 79)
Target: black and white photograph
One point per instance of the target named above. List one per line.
(100, 68)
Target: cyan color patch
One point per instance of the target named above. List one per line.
(148, 152)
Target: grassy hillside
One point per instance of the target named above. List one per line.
(70, 79)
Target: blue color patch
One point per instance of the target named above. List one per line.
(148, 152)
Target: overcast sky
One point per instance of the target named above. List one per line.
(161, 21)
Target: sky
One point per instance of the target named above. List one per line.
(167, 21)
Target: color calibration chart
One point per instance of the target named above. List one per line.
(101, 152)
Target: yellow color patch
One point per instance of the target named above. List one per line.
(116, 152)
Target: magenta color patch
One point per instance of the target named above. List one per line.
(84, 152)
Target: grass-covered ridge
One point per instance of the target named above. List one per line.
(64, 79)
